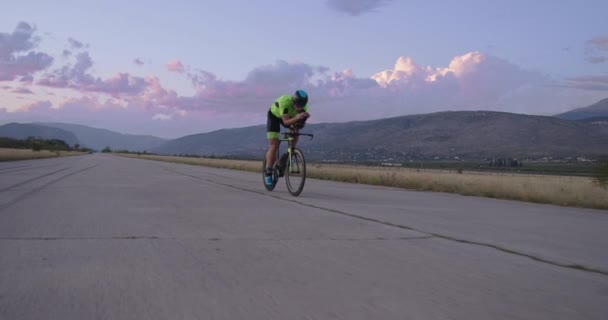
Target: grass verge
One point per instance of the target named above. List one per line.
(7, 154)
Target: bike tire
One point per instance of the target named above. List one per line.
(295, 173)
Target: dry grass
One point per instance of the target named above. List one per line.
(7, 154)
(558, 190)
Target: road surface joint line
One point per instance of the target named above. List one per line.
(437, 235)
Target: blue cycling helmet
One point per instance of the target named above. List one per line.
(300, 98)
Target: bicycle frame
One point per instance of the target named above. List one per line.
(290, 137)
(296, 175)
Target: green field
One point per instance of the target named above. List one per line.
(532, 167)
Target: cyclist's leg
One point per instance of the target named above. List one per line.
(273, 128)
(273, 145)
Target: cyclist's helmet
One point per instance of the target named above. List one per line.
(300, 98)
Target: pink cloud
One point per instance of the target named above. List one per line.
(36, 107)
(470, 81)
(112, 115)
(77, 77)
(175, 66)
(474, 79)
(596, 50)
(23, 90)
(261, 85)
(121, 83)
(70, 76)
(27, 79)
(14, 61)
(599, 43)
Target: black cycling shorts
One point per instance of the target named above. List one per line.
(273, 126)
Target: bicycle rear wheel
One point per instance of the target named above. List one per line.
(295, 173)
(275, 177)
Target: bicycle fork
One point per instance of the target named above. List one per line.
(294, 166)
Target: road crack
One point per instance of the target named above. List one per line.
(405, 227)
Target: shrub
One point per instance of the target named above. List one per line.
(600, 173)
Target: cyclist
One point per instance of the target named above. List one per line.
(288, 111)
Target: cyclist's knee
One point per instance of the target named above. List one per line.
(273, 143)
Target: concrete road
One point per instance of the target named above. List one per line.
(105, 237)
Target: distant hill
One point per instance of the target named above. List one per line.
(463, 134)
(231, 142)
(22, 131)
(100, 138)
(599, 109)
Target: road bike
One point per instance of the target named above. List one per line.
(291, 164)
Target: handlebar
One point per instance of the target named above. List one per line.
(293, 134)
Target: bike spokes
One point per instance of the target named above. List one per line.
(295, 173)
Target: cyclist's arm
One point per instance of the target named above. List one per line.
(291, 121)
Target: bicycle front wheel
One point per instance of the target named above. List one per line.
(295, 173)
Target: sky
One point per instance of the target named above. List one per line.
(174, 68)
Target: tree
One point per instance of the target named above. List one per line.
(106, 149)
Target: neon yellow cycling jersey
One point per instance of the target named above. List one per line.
(284, 105)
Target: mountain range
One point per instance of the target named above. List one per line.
(596, 110)
(581, 132)
(84, 136)
(22, 131)
(462, 134)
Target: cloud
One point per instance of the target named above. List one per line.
(260, 86)
(599, 43)
(77, 77)
(70, 76)
(36, 107)
(472, 80)
(28, 79)
(23, 90)
(138, 61)
(356, 7)
(596, 50)
(162, 117)
(15, 58)
(113, 115)
(594, 83)
(597, 60)
(128, 103)
(175, 66)
(75, 44)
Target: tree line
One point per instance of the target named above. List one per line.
(37, 144)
